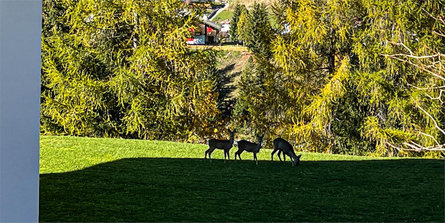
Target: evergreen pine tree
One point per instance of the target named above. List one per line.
(242, 26)
(234, 22)
(259, 32)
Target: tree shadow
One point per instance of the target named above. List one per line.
(168, 189)
(225, 88)
(225, 77)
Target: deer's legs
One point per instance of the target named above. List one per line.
(207, 152)
(255, 158)
(292, 160)
(273, 152)
(238, 153)
(210, 151)
(279, 155)
(226, 153)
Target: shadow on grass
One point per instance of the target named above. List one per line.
(166, 189)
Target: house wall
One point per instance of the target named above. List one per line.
(20, 30)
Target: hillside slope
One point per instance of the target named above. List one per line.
(230, 66)
(227, 14)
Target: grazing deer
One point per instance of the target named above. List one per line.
(244, 145)
(225, 145)
(284, 146)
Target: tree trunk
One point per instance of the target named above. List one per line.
(136, 26)
(331, 55)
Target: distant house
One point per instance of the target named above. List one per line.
(206, 32)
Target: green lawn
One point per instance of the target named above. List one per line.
(89, 179)
(223, 16)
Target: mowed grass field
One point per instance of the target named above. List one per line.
(108, 180)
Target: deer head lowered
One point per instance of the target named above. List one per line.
(283, 146)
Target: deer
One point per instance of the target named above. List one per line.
(225, 145)
(244, 145)
(284, 146)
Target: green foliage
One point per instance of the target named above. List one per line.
(234, 22)
(357, 77)
(122, 68)
(242, 26)
(253, 28)
(258, 32)
(344, 76)
(255, 107)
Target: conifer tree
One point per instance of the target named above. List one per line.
(357, 74)
(259, 32)
(242, 26)
(122, 68)
(234, 22)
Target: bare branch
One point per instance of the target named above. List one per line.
(436, 98)
(393, 146)
(439, 34)
(415, 65)
(438, 18)
(429, 115)
(428, 135)
(416, 147)
(413, 56)
(409, 50)
(426, 88)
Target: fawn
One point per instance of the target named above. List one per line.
(244, 145)
(284, 146)
(225, 145)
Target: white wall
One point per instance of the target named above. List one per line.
(20, 25)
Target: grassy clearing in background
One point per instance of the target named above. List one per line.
(94, 179)
(224, 15)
